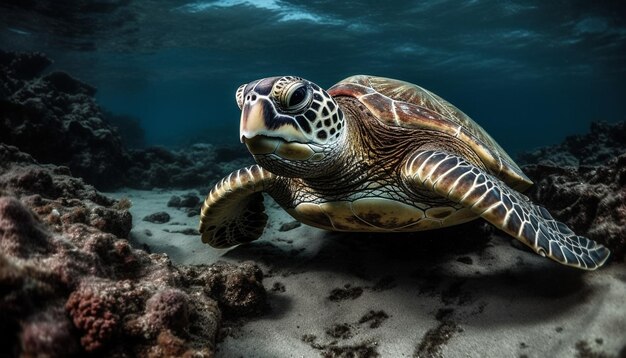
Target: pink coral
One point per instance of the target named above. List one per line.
(93, 313)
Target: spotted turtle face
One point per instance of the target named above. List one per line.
(288, 123)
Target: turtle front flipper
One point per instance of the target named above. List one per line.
(233, 212)
(460, 181)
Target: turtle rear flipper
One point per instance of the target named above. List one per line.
(460, 181)
(233, 213)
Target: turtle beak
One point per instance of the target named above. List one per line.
(252, 120)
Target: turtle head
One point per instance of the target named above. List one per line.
(290, 125)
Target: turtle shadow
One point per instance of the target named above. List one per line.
(420, 263)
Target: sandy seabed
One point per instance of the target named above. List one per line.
(434, 294)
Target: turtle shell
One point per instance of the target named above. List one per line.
(399, 103)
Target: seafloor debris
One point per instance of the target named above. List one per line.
(346, 293)
(374, 318)
(436, 338)
(70, 284)
(333, 350)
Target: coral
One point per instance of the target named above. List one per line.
(59, 199)
(169, 345)
(603, 142)
(167, 310)
(21, 234)
(129, 127)
(19, 67)
(56, 119)
(590, 194)
(71, 285)
(93, 313)
(194, 166)
(49, 333)
(590, 200)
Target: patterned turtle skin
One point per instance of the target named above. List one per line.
(374, 154)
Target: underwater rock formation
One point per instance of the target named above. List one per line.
(55, 118)
(71, 285)
(58, 198)
(196, 166)
(582, 182)
(129, 128)
(603, 142)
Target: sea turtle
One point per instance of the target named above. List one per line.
(376, 154)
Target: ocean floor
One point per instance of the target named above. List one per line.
(444, 293)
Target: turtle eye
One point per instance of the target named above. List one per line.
(295, 97)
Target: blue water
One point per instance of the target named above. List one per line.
(530, 72)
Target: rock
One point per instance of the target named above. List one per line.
(603, 142)
(71, 286)
(289, 226)
(189, 200)
(56, 119)
(58, 198)
(194, 166)
(167, 310)
(20, 67)
(238, 289)
(48, 333)
(590, 195)
(590, 200)
(160, 217)
(174, 202)
(129, 128)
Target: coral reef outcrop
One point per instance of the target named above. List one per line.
(582, 182)
(55, 118)
(71, 284)
(196, 166)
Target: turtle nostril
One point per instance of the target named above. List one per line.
(254, 97)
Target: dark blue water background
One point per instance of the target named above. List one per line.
(530, 72)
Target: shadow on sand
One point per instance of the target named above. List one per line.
(457, 267)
